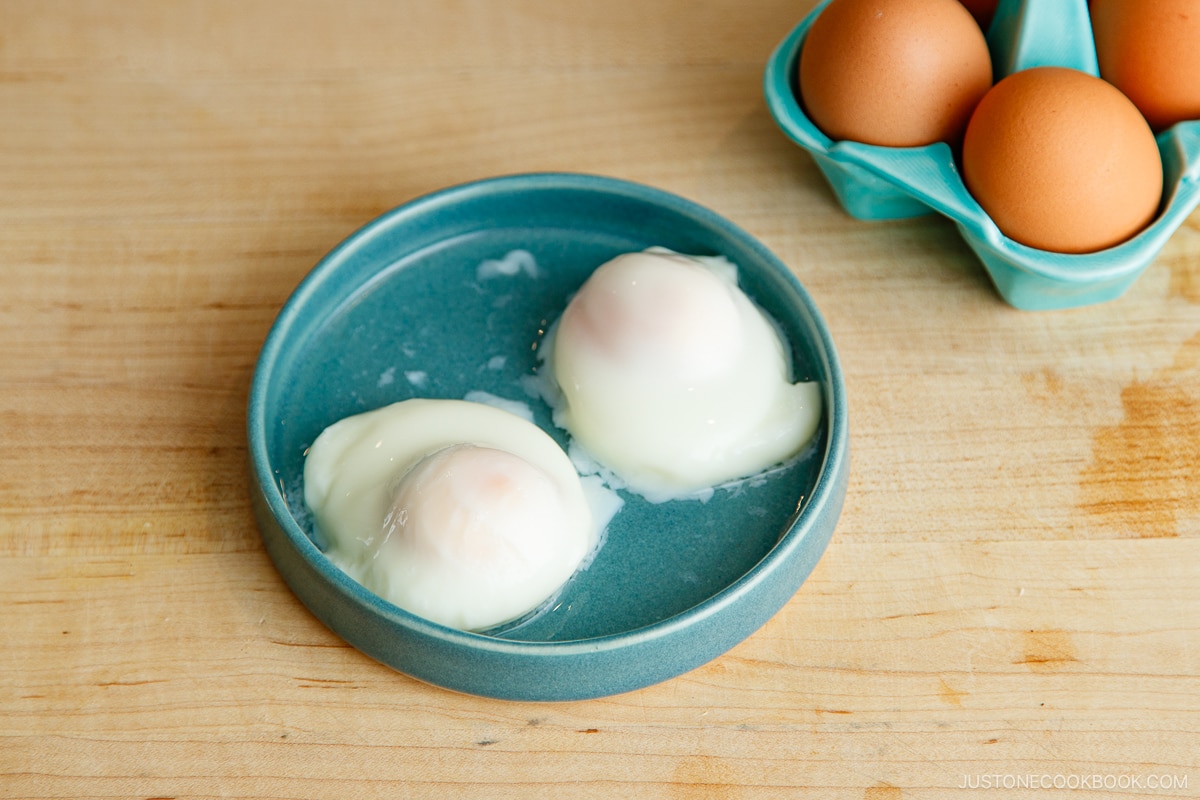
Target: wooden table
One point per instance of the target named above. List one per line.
(1013, 592)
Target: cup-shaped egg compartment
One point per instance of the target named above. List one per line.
(880, 183)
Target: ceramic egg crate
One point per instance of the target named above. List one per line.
(880, 183)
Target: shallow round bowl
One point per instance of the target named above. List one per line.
(449, 295)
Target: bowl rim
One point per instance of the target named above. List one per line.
(825, 497)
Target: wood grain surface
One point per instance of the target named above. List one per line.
(1013, 589)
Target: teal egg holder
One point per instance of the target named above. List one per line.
(886, 183)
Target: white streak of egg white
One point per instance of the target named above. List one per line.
(513, 263)
(416, 377)
(545, 386)
(386, 378)
(516, 407)
(293, 493)
(604, 504)
(542, 385)
(719, 265)
(497, 362)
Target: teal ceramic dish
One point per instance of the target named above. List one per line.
(399, 310)
(876, 183)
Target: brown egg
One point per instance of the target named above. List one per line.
(1062, 161)
(1150, 50)
(899, 73)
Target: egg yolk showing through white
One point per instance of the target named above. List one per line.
(459, 512)
(674, 379)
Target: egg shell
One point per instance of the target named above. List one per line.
(875, 183)
(981, 10)
(1151, 52)
(1062, 161)
(899, 73)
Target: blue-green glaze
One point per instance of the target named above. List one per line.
(876, 183)
(396, 311)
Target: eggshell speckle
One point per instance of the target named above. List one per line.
(1062, 161)
(898, 73)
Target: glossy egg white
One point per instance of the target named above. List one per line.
(460, 512)
(673, 379)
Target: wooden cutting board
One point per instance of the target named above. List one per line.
(1011, 598)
